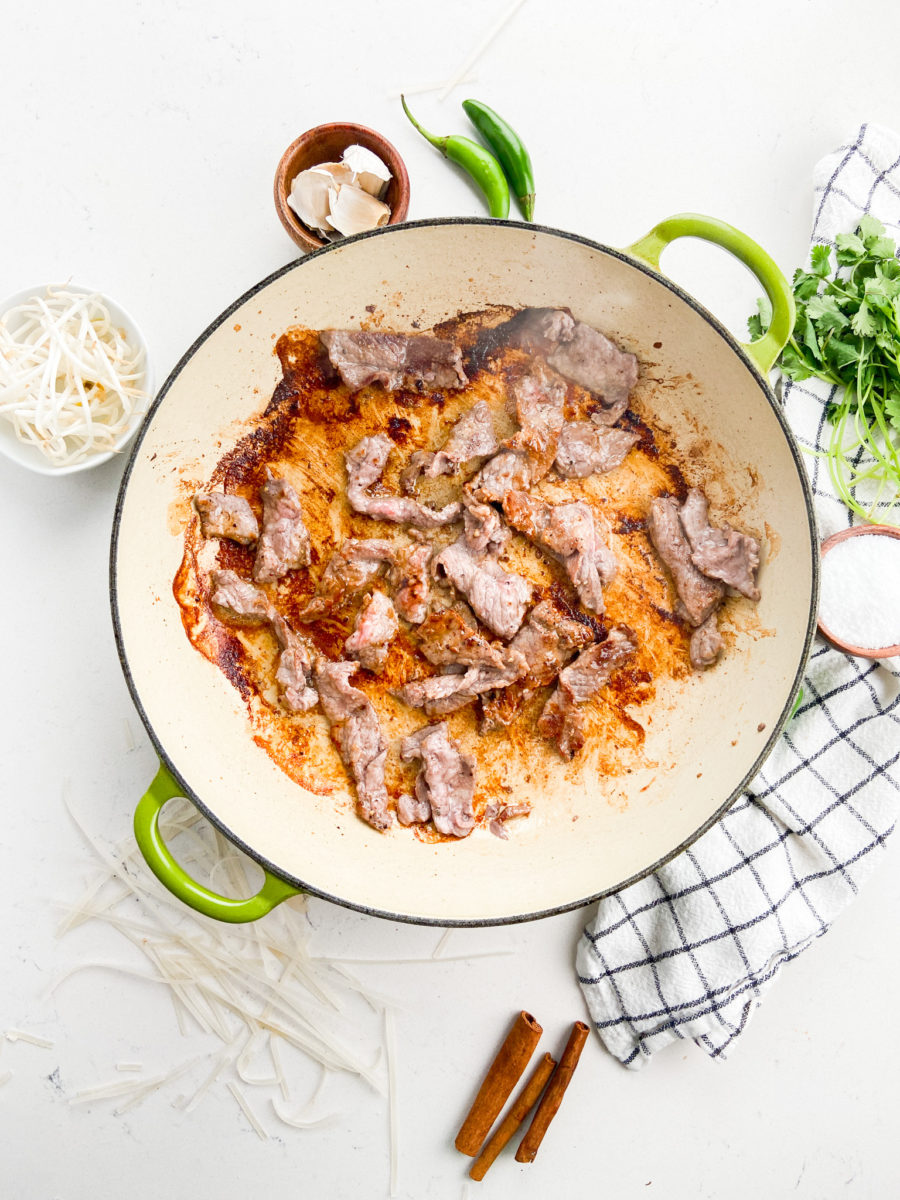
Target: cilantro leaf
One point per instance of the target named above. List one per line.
(863, 321)
(850, 249)
(820, 260)
(869, 227)
(892, 408)
(827, 314)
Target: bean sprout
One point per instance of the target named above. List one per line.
(69, 378)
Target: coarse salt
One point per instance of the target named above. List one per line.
(860, 592)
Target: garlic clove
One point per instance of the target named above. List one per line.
(371, 173)
(309, 199)
(336, 172)
(355, 211)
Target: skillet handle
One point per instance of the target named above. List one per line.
(159, 859)
(765, 350)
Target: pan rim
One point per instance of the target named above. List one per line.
(777, 728)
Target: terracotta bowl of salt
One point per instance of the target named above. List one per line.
(858, 611)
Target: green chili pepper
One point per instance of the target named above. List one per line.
(475, 161)
(508, 146)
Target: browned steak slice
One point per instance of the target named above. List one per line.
(365, 464)
(438, 695)
(707, 645)
(394, 360)
(498, 598)
(586, 448)
(721, 553)
(591, 360)
(537, 399)
(483, 528)
(284, 541)
(547, 641)
(354, 725)
(350, 570)
(226, 516)
(471, 437)
(293, 674)
(699, 596)
(375, 628)
(238, 600)
(446, 779)
(569, 532)
(539, 330)
(447, 640)
(562, 719)
(409, 576)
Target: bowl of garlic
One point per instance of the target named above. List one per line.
(337, 180)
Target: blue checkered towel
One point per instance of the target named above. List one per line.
(689, 951)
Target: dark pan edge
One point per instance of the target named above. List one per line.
(777, 729)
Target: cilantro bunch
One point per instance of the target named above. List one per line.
(847, 332)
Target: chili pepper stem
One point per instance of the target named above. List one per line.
(527, 205)
(439, 142)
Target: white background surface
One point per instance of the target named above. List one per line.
(138, 148)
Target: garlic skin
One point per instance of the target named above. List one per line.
(342, 198)
(371, 173)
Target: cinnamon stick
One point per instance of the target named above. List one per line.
(502, 1076)
(522, 1106)
(549, 1105)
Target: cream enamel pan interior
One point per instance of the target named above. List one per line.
(708, 734)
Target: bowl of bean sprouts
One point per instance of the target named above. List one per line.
(75, 379)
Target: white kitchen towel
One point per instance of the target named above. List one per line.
(689, 951)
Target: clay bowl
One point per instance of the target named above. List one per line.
(849, 647)
(326, 143)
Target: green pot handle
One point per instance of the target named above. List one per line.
(160, 861)
(765, 350)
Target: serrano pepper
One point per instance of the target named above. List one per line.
(510, 150)
(477, 162)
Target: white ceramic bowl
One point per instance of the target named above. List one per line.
(29, 456)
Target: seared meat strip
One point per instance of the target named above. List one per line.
(284, 541)
(239, 601)
(441, 694)
(294, 672)
(394, 360)
(375, 628)
(568, 532)
(355, 726)
(706, 643)
(498, 598)
(349, 571)
(591, 360)
(471, 437)
(447, 640)
(540, 330)
(527, 456)
(508, 469)
(413, 810)
(498, 814)
(698, 595)
(409, 575)
(723, 553)
(562, 719)
(585, 448)
(365, 464)
(547, 641)
(226, 516)
(483, 528)
(446, 780)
